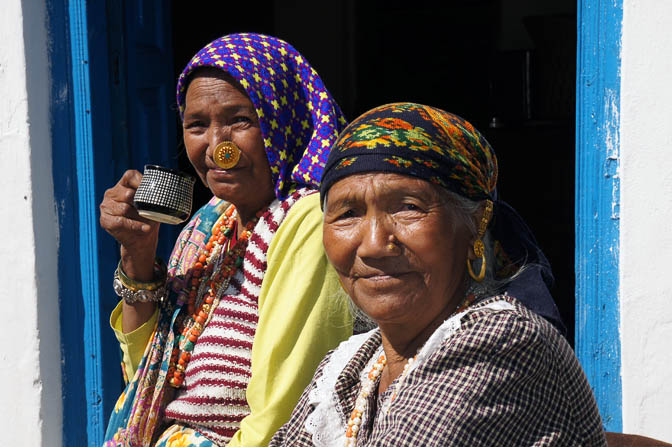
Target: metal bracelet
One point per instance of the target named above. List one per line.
(159, 272)
(137, 296)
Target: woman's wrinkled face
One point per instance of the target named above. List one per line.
(419, 280)
(218, 109)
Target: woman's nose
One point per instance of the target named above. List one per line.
(375, 238)
(218, 134)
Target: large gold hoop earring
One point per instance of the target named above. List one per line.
(479, 250)
(479, 246)
(226, 154)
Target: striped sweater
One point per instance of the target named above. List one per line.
(212, 399)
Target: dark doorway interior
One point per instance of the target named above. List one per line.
(508, 66)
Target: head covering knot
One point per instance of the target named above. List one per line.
(299, 118)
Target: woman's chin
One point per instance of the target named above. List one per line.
(385, 303)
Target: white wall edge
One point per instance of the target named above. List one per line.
(30, 365)
(646, 216)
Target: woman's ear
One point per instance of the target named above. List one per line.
(477, 221)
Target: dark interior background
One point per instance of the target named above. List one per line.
(508, 66)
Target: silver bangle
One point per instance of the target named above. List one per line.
(137, 296)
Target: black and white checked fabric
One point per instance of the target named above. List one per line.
(163, 188)
(505, 378)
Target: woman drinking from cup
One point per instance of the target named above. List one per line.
(423, 247)
(222, 357)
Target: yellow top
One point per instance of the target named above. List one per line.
(302, 315)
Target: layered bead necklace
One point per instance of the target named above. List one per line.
(370, 382)
(217, 262)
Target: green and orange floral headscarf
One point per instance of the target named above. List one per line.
(420, 141)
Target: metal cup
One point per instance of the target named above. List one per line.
(164, 195)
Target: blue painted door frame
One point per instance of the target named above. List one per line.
(93, 139)
(96, 136)
(598, 86)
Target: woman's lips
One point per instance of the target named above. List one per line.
(380, 276)
(219, 173)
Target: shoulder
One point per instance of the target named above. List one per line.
(305, 210)
(301, 229)
(503, 330)
(504, 317)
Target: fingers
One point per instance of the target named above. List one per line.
(131, 179)
(117, 224)
(124, 190)
(119, 217)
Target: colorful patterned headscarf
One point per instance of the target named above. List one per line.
(299, 119)
(446, 150)
(416, 140)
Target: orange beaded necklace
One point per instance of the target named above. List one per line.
(210, 275)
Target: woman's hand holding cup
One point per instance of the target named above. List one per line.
(138, 236)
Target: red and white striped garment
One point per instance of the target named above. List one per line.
(212, 399)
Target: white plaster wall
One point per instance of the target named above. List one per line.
(30, 368)
(646, 217)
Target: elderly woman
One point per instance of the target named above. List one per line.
(422, 246)
(221, 358)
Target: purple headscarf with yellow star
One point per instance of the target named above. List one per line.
(299, 118)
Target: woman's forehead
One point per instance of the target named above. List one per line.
(380, 185)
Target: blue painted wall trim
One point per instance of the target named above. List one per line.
(597, 202)
(81, 170)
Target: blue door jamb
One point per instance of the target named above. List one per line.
(81, 161)
(597, 202)
(88, 225)
(89, 130)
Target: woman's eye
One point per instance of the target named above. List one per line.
(409, 207)
(241, 119)
(194, 125)
(346, 215)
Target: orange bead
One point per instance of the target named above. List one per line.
(200, 320)
(182, 362)
(198, 266)
(208, 246)
(209, 299)
(202, 314)
(348, 432)
(186, 356)
(193, 338)
(229, 211)
(215, 230)
(202, 259)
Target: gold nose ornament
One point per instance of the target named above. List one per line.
(226, 155)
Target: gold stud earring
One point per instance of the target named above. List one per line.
(479, 246)
(226, 155)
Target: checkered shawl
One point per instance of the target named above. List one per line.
(504, 378)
